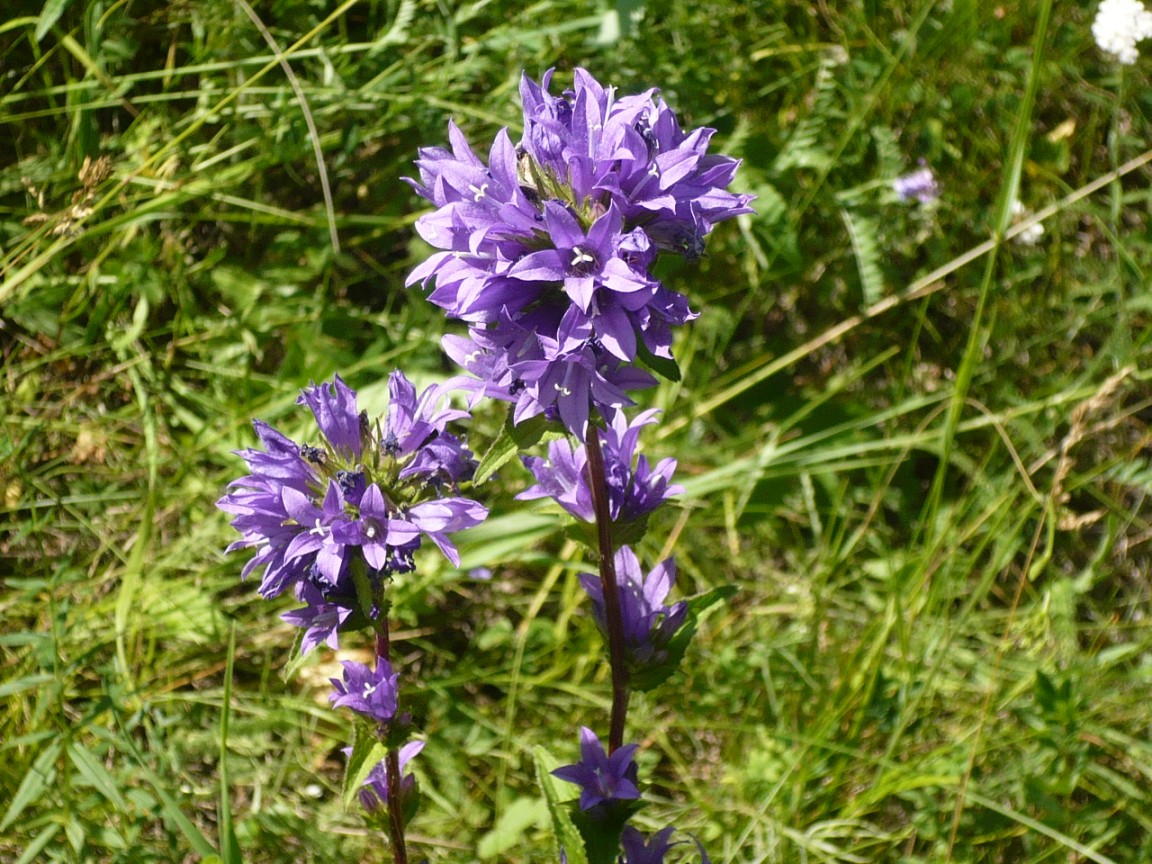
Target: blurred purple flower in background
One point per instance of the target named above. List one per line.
(920, 184)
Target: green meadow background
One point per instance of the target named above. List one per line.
(918, 446)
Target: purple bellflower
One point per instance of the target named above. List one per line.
(635, 488)
(374, 795)
(364, 494)
(601, 778)
(547, 250)
(369, 692)
(649, 625)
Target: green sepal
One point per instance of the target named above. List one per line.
(623, 533)
(513, 438)
(629, 533)
(583, 533)
(411, 801)
(651, 677)
(665, 367)
(564, 832)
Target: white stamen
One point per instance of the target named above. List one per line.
(478, 193)
(579, 256)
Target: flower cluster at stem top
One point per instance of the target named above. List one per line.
(358, 501)
(547, 250)
(1119, 25)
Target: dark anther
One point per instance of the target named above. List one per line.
(313, 454)
(350, 481)
(647, 134)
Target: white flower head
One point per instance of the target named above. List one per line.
(1119, 25)
(1031, 235)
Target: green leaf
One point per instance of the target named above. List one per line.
(564, 831)
(97, 776)
(49, 15)
(40, 776)
(651, 678)
(864, 232)
(33, 850)
(512, 439)
(1045, 692)
(26, 683)
(511, 826)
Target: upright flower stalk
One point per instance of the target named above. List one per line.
(546, 252)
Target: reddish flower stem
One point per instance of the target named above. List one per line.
(392, 769)
(612, 612)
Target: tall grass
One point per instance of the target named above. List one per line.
(917, 446)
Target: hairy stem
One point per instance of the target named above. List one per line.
(392, 765)
(395, 807)
(612, 613)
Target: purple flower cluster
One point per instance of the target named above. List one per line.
(364, 496)
(649, 625)
(635, 488)
(547, 250)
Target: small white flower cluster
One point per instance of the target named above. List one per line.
(1031, 235)
(1119, 25)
